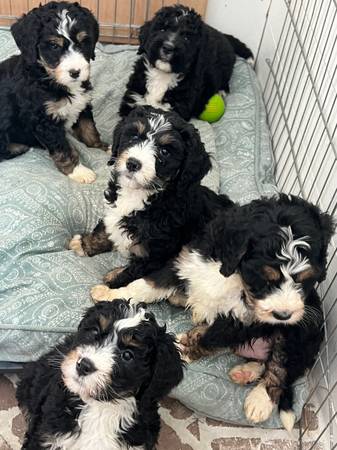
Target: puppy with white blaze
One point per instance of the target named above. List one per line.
(154, 202)
(183, 63)
(276, 251)
(99, 389)
(45, 91)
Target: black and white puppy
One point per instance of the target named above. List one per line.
(275, 251)
(46, 91)
(99, 388)
(183, 63)
(155, 202)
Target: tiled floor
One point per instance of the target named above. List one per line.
(181, 429)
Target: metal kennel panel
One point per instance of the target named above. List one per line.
(300, 93)
(119, 20)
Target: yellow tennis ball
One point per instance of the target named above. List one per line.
(214, 109)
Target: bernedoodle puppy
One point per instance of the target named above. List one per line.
(99, 388)
(183, 63)
(46, 91)
(252, 274)
(154, 202)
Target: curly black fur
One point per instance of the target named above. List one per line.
(35, 78)
(199, 58)
(145, 365)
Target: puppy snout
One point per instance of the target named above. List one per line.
(74, 73)
(133, 165)
(282, 315)
(84, 366)
(167, 48)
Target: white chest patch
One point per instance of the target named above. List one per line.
(158, 82)
(69, 109)
(99, 424)
(127, 202)
(209, 292)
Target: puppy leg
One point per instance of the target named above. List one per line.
(189, 344)
(246, 373)
(93, 243)
(261, 400)
(138, 291)
(85, 130)
(51, 135)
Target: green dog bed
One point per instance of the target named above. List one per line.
(44, 288)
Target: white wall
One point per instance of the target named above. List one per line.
(242, 18)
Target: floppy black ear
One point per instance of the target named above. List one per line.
(229, 236)
(26, 35)
(167, 370)
(197, 161)
(116, 138)
(327, 229)
(144, 32)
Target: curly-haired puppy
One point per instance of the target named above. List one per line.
(183, 63)
(155, 202)
(99, 388)
(45, 91)
(251, 274)
(276, 251)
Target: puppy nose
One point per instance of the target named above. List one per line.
(74, 73)
(133, 165)
(282, 315)
(84, 366)
(167, 47)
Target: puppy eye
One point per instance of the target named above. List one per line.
(186, 38)
(127, 355)
(163, 152)
(95, 331)
(54, 46)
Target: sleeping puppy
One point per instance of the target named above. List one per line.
(99, 388)
(45, 91)
(154, 201)
(251, 274)
(184, 62)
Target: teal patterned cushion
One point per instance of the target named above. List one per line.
(44, 288)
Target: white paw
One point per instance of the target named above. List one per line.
(251, 62)
(288, 419)
(246, 373)
(258, 405)
(76, 245)
(109, 150)
(101, 293)
(82, 174)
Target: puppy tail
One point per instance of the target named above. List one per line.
(239, 47)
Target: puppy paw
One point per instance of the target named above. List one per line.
(76, 245)
(110, 277)
(197, 317)
(101, 293)
(82, 174)
(288, 419)
(188, 344)
(258, 405)
(246, 373)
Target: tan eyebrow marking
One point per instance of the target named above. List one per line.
(81, 35)
(140, 126)
(271, 273)
(308, 273)
(165, 139)
(57, 40)
(104, 322)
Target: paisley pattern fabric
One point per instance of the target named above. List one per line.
(44, 288)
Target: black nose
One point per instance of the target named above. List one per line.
(133, 165)
(84, 366)
(74, 73)
(282, 315)
(167, 48)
